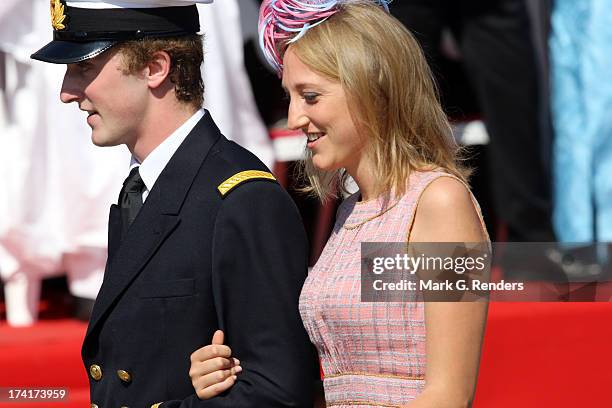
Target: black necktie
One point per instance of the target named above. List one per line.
(130, 198)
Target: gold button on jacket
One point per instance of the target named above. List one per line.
(95, 371)
(124, 376)
(94, 406)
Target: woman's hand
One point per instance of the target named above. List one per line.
(213, 369)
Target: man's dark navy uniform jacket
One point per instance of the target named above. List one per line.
(194, 261)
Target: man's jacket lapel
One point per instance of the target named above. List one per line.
(114, 230)
(158, 217)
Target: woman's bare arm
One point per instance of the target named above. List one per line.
(446, 213)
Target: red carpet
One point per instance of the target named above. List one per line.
(535, 355)
(45, 355)
(546, 355)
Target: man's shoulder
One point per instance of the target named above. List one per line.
(231, 167)
(236, 157)
(225, 155)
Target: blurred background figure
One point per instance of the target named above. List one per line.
(228, 93)
(495, 45)
(56, 186)
(581, 57)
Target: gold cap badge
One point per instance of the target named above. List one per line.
(57, 15)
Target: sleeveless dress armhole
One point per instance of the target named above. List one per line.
(474, 203)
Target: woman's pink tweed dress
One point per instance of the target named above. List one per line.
(373, 354)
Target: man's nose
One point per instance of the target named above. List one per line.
(70, 92)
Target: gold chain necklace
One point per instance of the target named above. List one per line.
(359, 224)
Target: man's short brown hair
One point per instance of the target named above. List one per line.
(187, 55)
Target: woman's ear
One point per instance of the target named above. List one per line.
(158, 69)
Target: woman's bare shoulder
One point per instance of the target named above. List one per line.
(446, 212)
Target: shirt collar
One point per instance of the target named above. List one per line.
(156, 161)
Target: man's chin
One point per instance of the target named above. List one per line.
(101, 141)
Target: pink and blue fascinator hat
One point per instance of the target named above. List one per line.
(286, 21)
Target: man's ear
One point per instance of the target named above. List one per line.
(158, 69)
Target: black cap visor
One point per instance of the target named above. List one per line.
(69, 52)
(87, 33)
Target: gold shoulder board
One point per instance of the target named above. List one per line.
(241, 177)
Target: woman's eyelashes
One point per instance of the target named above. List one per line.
(310, 97)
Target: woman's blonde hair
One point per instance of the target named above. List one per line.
(391, 95)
